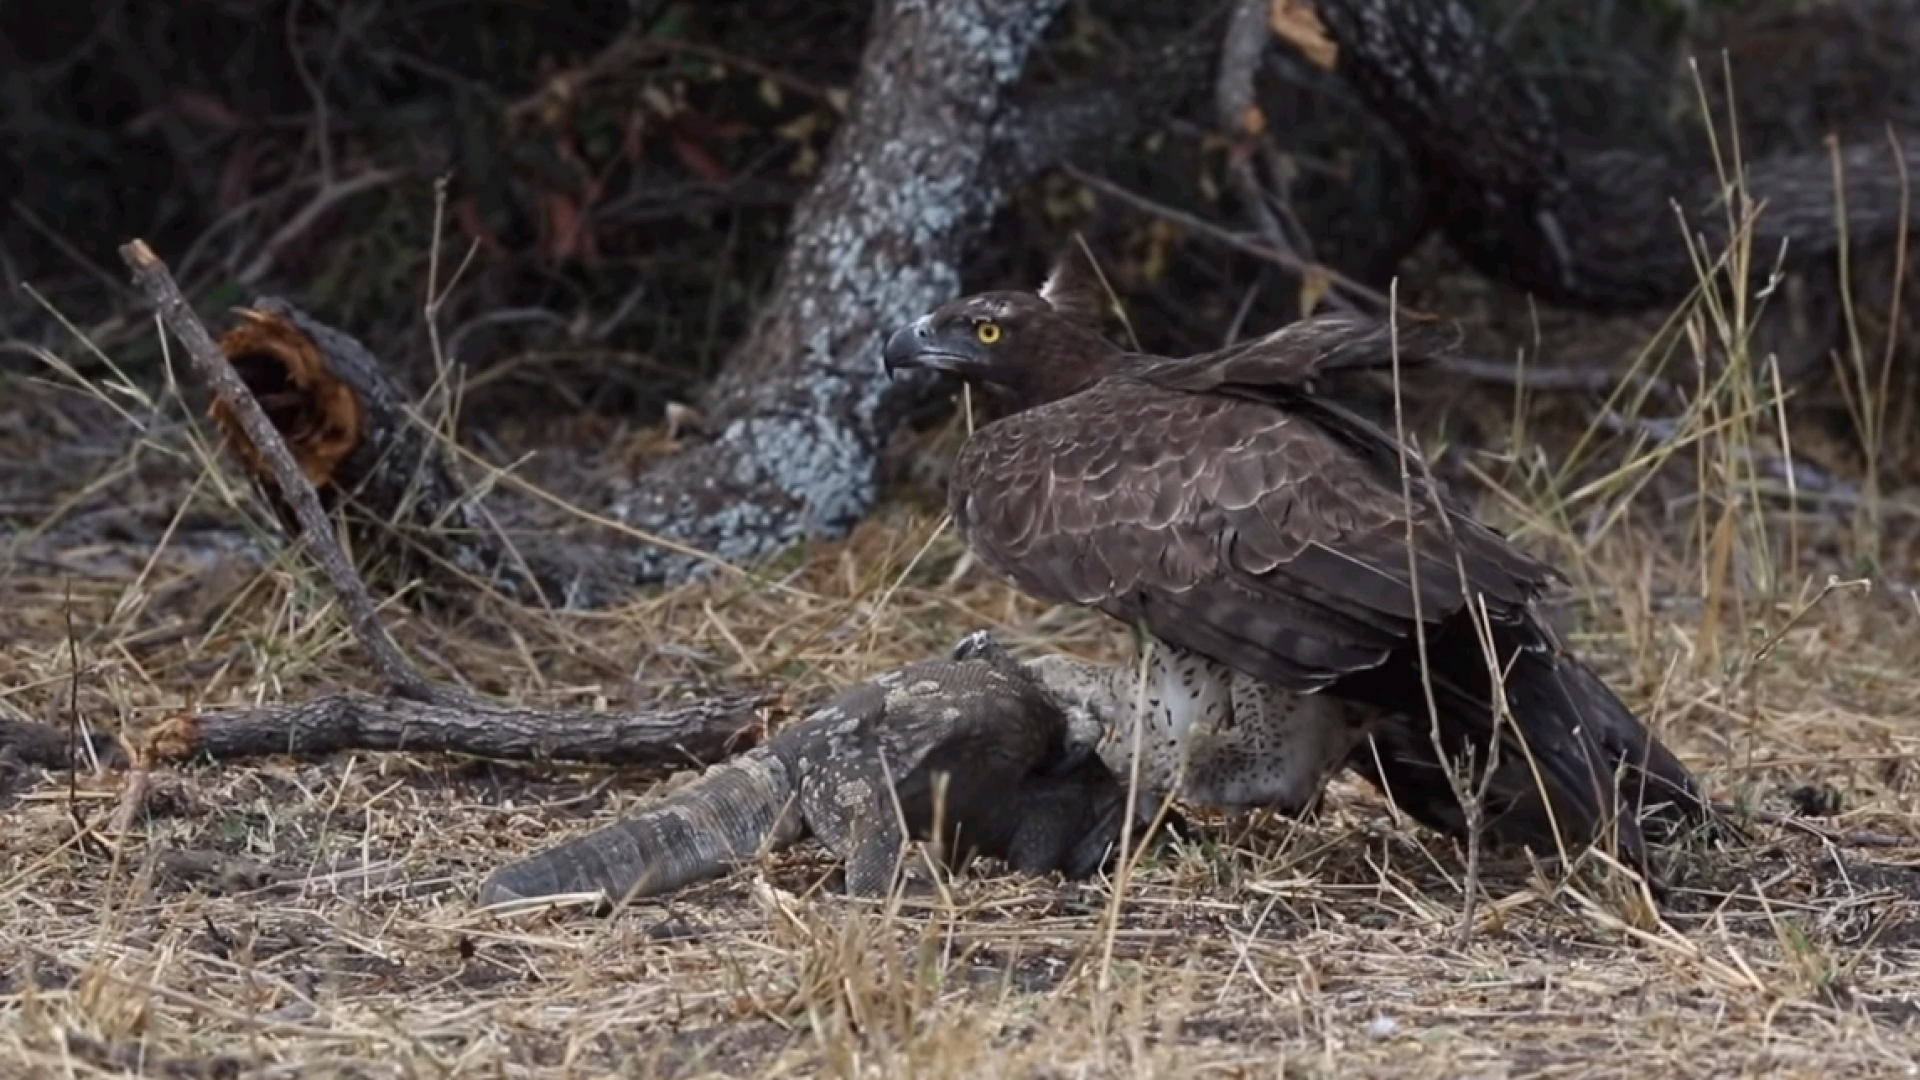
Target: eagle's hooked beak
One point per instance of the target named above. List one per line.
(918, 345)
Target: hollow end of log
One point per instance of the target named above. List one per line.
(175, 738)
(321, 417)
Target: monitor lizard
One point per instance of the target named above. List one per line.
(972, 750)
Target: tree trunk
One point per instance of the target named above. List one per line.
(1593, 230)
(803, 407)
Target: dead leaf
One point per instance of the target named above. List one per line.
(569, 239)
(563, 220)
(1314, 287)
(237, 174)
(633, 135)
(698, 161)
(683, 418)
(1162, 237)
(802, 127)
(466, 214)
(1296, 23)
(657, 100)
(208, 111)
(805, 162)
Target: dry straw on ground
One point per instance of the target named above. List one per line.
(285, 918)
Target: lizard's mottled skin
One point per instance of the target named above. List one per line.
(972, 749)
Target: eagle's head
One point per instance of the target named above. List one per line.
(1018, 341)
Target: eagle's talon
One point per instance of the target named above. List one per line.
(977, 645)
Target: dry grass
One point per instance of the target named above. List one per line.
(1273, 948)
(1268, 948)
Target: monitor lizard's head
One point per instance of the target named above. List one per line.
(1084, 692)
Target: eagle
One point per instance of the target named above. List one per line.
(1253, 526)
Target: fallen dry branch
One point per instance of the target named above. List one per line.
(695, 732)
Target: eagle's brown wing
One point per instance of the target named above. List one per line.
(1224, 525)
(1299, 352)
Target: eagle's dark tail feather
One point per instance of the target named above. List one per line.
(1589, 772)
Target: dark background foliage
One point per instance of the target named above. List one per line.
(625, 205)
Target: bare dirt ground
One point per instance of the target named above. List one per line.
(286, 918)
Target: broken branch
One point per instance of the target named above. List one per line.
(1285, 260)
(45, 746)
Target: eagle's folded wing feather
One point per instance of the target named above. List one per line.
(1226, 526)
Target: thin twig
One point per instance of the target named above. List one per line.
(322, 126)
(1471, 886)
(1472, 798)
(331, 193)
(834, 98)
(153, 278)
(80, 826)
(1245, 308)
(629, 49)
(65, 247)
(1283, 259)
(1547, 380)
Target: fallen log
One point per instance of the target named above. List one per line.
(693, 733)
(351, 428)
(412, 521)
(50, 746)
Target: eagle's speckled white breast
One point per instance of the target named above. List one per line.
(1211, 735)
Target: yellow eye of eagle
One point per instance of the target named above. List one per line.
(987, 331)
